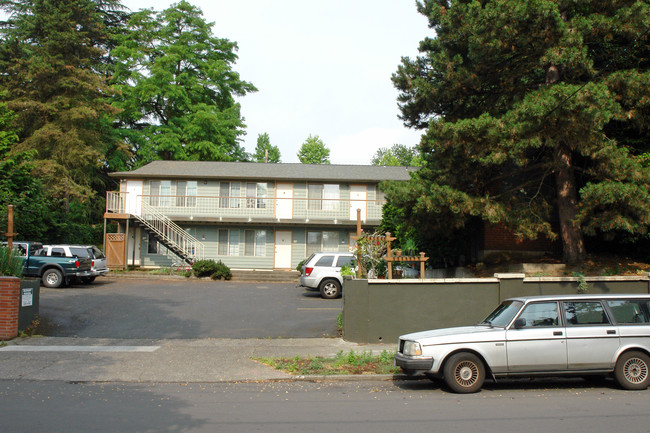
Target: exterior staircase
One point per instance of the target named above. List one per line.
(171, 235)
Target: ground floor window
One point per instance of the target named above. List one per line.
(228, 242)
(255, 242)
(154, 246)
(325, 241)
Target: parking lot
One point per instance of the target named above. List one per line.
(182, 308)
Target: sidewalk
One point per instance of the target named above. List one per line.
(200, 360)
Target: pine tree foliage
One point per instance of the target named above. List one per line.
(536, 115)
(53, 58)
(178, 88)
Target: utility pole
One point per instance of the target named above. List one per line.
(10, 227)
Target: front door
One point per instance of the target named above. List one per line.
(282, 249)
(284, 201)
(133, 197)
(358, 197)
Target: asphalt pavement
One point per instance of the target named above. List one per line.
(166, 361)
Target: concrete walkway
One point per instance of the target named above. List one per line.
(200, 360)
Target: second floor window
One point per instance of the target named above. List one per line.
(240, 194)
(160, 192)
(323, 197)
(186, 193)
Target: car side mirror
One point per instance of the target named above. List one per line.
(520, 323)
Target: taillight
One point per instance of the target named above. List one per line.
(92, 263)
(308, 271)
(76, 263)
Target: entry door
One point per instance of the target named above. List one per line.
(282, 249)
(133, 197)
(358, 197)
(284, 201)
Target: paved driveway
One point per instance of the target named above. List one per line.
(164, 308)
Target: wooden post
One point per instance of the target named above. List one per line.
(358, 237)
(10, 227)
(422, 261)
(389, 256)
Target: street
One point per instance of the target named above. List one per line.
(27, 406)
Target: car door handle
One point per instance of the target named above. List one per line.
(611, 332)
(557, 333)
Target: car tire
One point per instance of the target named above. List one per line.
(52, 278)
(464, 373)
(87, 280)
(633, 370)
(330, 289)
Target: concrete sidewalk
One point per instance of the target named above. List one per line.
(200, 360)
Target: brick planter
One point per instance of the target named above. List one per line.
(9, 301)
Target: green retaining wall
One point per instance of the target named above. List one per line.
(379, 311)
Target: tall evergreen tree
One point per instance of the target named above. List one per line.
(178, 88)
(536, 112)
(265, 151)
(53, 58)
(314, 151)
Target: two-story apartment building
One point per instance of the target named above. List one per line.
(248, 215)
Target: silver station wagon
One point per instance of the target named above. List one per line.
(580, 335)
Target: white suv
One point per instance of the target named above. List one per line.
(322, 271)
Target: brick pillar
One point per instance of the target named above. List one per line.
(9, 299)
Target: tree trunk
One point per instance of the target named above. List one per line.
(573, 246)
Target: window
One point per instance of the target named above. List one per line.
(325, 261)
(629, 312)
(323, 197)
(584, 313)
(186, 193)
(152, 248)
(228, 243)
(541, 314)
(344, 261)
(159, 192)
(256, 195)
(324, 241)
(255, 242)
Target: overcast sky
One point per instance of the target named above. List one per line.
(321, 68)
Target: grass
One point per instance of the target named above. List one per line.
(341, 364)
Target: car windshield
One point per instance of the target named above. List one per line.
(503, 314)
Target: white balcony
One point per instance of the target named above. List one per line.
(251, 209)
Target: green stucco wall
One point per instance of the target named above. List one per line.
(379, 311)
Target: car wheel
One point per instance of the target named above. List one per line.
(87, 280)
(464, 373)
(632, 370)
(52, 278)
(330, 289)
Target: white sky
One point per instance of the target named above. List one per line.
(320, 67)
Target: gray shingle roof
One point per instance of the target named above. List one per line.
(258, 171)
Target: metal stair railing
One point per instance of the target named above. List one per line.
(171, 234)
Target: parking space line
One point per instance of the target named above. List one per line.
(79, 348)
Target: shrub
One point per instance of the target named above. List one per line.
(222, 271)
(11, 264)
(204, 268)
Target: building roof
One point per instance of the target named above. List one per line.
(260, 171)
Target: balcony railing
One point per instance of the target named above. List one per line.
(251, 208)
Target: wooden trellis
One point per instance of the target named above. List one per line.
(389, 257)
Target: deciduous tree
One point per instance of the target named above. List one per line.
(314, 151)
(265, 151)
(178, 88)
